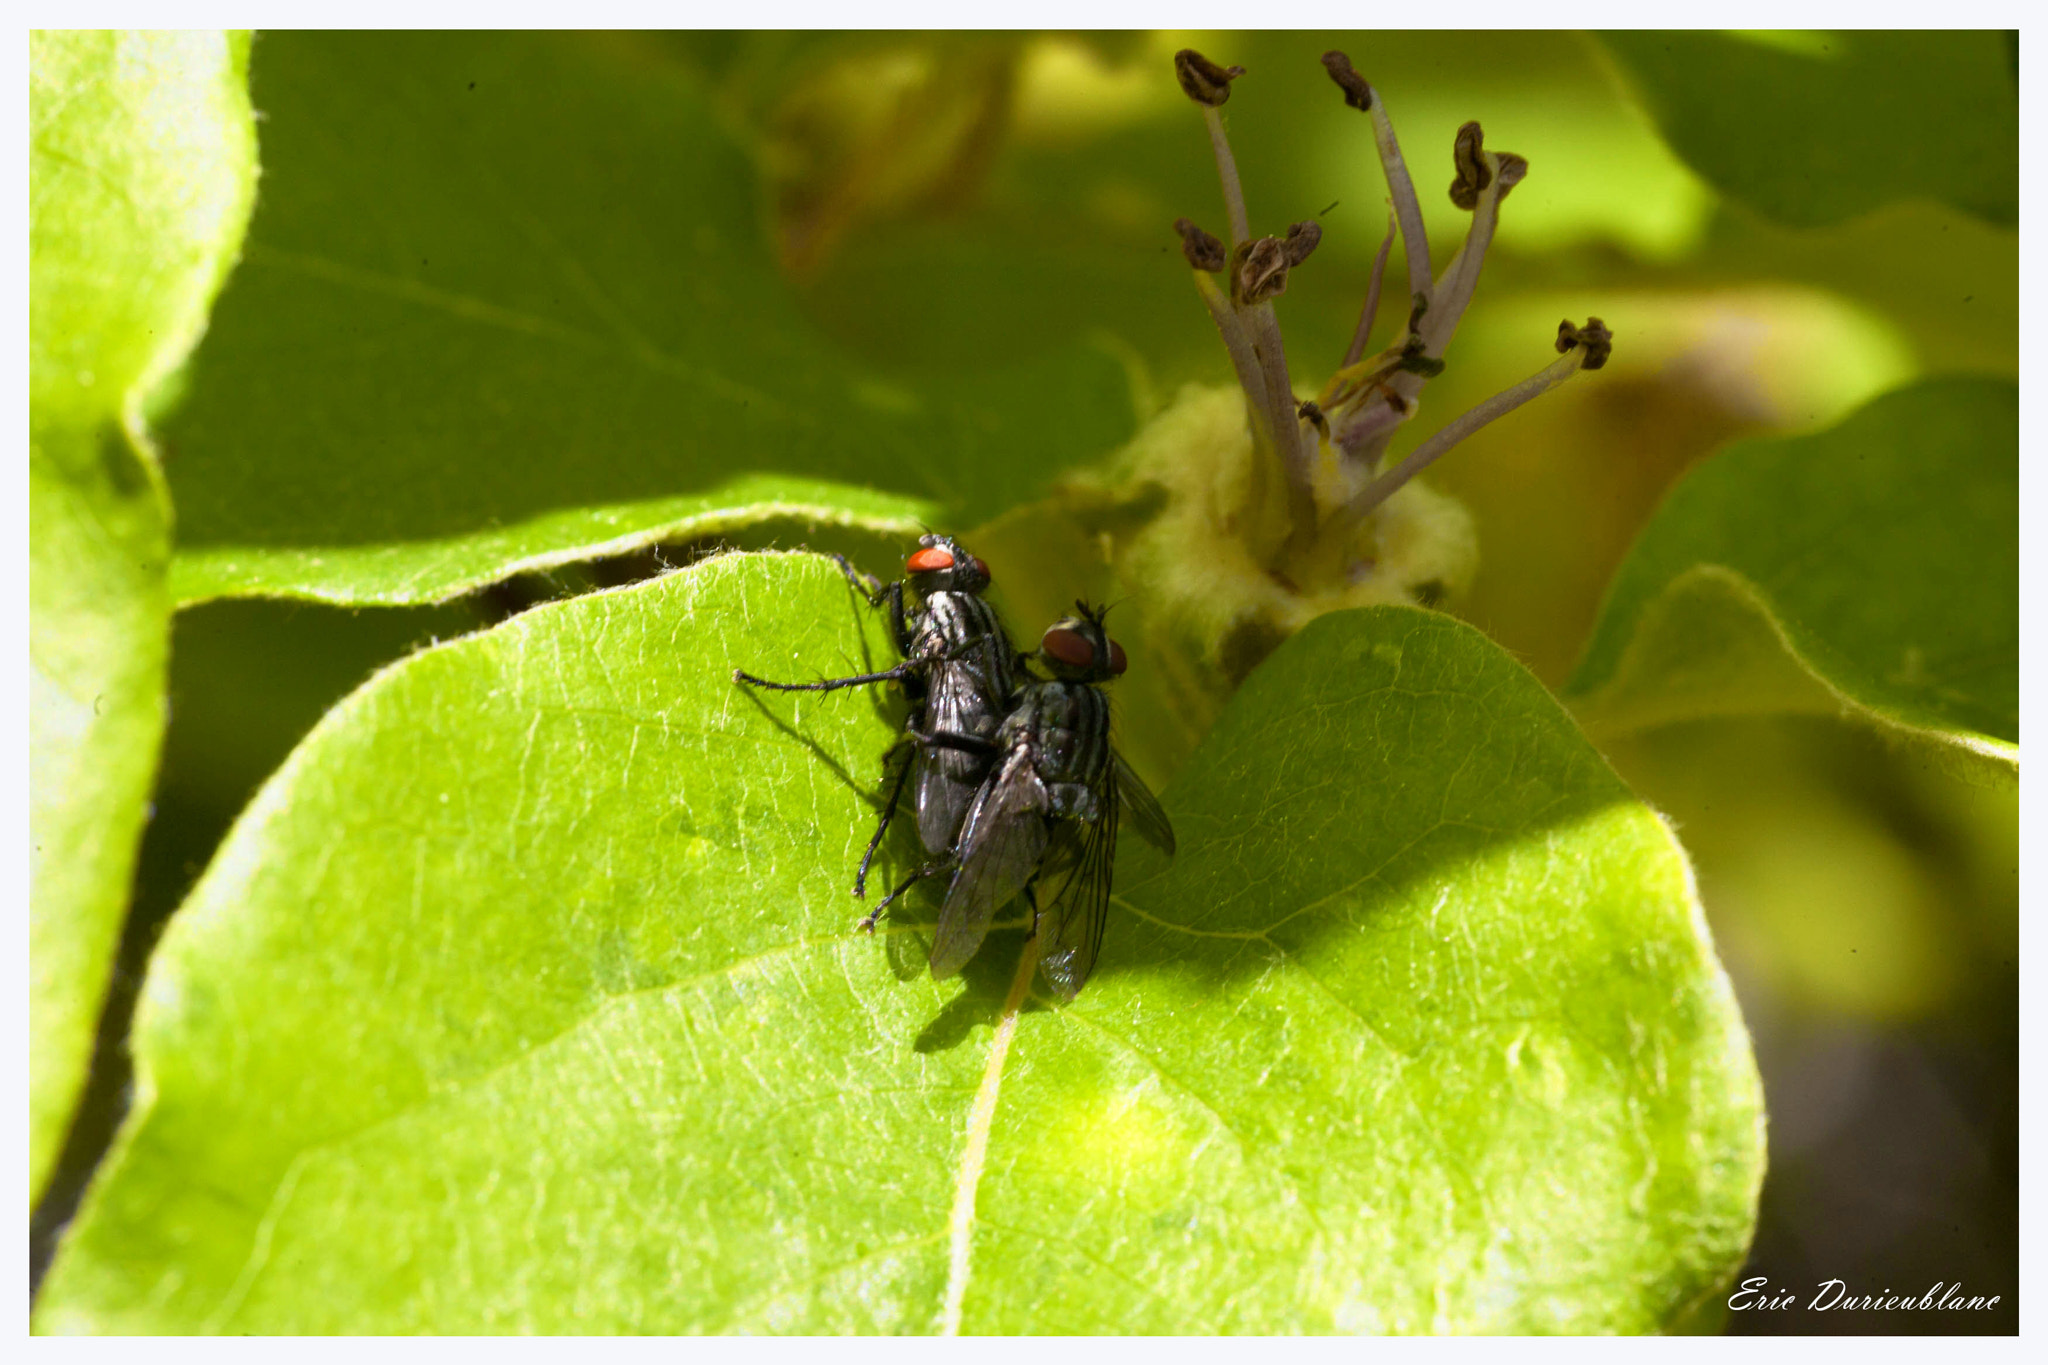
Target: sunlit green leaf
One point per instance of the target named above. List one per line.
(508, 302)
(142, 163)
(527, 997)
(1815, 128)
(1873, 567)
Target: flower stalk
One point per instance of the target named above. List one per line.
(1369, 314)
(1359, 94)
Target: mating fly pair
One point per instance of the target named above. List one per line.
(1017, 787)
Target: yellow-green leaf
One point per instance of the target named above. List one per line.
(1872, 568)
(142, 163)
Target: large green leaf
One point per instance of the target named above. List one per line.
(508, 303)
(527, 997)
(1814, 128)
(1873, 567)
(142, 161)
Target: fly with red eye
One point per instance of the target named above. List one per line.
(1074, 650)
(931, 559)
(959, 671)
(1043, 825)
(944, 555)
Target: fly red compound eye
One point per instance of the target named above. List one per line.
(1117, 662)
(1070, 647)
(931, 559)
(981, 569)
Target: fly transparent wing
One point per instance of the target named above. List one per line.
(946, 782)
(947, 779)
(1001, 845)
(1077, 879)
(1145, 809)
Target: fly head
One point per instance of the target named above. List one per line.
(941, 564)
(1078, 648)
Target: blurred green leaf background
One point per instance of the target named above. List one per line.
(962, 243)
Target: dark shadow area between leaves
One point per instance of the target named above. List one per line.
(1913, 1183)
(879, 554)
(1880, 986)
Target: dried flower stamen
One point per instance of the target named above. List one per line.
(1249, 548)
(1302, 239)
(1359, 94)
(1203, 251)
(1474, 174)
(1594, 337)
(1259, 272)
(1205, 82)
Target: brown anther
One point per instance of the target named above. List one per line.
(1203, 80)
(1357, 93)
(1413, 361)
(1260, 271)
(1512, 170)
(1469, 156)
(1312, 413)
(1203, 251)
(1594, 336)
(1301, 240)
(1417, 306)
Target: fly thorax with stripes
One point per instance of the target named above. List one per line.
(1072, 740)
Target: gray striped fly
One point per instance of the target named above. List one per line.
(959, 671)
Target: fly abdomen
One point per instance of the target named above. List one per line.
(1073, 801)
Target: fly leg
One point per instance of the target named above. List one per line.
(928, 870)
(879, 594)
(898, 626)
(896, 674)
(870, 586)
(860, 879)
(912, 739)
(954, 740)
